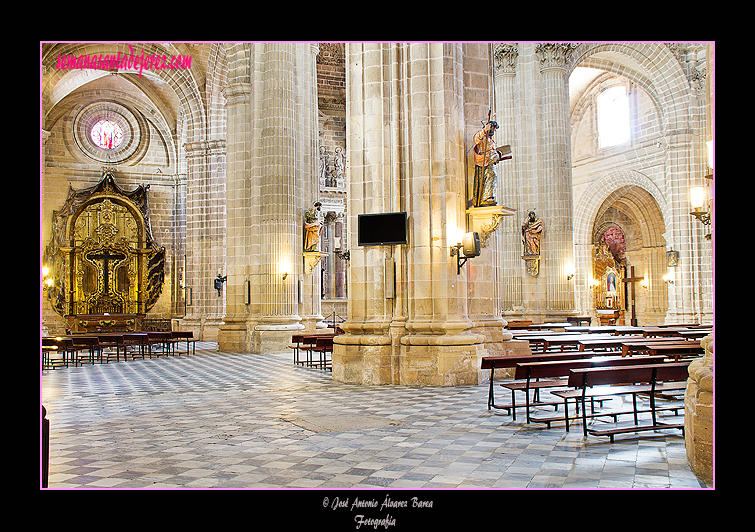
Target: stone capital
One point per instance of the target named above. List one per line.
(504, 58)
(553, 56)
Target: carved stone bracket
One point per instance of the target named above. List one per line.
(312, 259)
(532, 263)
(485, 220)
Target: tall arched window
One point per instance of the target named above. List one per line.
(613, 117)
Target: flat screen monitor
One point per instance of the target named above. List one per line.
(384, 229)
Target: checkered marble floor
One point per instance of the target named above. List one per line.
(220, 420)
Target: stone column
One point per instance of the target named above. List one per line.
(557, 249)
(205, 237)
(270, 174)
(405, 116)
(509, 179)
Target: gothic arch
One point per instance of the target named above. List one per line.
(588, 204)
(651, 65)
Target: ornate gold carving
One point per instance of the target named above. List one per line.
(102, 255)
(312, 259)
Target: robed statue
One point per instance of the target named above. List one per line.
(312, 227)
(531, 229)
(486, 156)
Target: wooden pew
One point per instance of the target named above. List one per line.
(185, 336)
(531, 372)
(507, 362)
(308, 342)
(625, 380)
(55, 345)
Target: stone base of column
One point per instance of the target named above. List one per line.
(416, 360)
(363, 359)
(446, 360)
(204, 329)
(254, 337)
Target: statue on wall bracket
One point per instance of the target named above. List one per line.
(532, 228)
(313, 224)
(486, 156)
(484, 214)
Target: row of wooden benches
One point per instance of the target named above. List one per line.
(315, 348)
(578, 376)
(103, 347)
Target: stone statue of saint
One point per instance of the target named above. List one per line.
(322, 170)
(531, 229)
(312, 227)
(338, 165)
(486, 155)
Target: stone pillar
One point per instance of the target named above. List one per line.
(270, 176)
(405, 116)
(205, 237)
(556, 247)
(687, 301)
(533, 111)
(509, 178)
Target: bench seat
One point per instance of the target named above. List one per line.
(665, 378)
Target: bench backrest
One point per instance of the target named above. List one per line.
(666, 372)
(511, 362)
(561, 368)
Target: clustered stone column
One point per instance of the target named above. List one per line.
(271, 97)
(406, 130)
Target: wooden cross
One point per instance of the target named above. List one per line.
(106, 256)
(630, 282)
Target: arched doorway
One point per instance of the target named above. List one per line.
(631, 223)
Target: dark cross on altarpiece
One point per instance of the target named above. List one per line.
(629, 282)
(106, 257)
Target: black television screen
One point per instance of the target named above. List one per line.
(384, 229)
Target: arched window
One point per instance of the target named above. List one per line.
(613, 117)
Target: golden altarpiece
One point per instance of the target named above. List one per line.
(608, 286)
(105, 268)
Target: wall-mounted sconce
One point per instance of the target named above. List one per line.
(285, 275)
(569, 273)
(343, 255)
(594, 283)
(468, 248)
(697, 195)
(669, 278)
(644, 284)
(218, 283)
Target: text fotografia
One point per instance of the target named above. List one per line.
(124, 62)
(387, 504)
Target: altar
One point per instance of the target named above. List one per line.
(608, 274)
(90, 323)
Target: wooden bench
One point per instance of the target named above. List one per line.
(556, 375)
(507, 362)
(55, 345)
(311, 343)
(185, 336)
(89, 344)
(626, 380)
